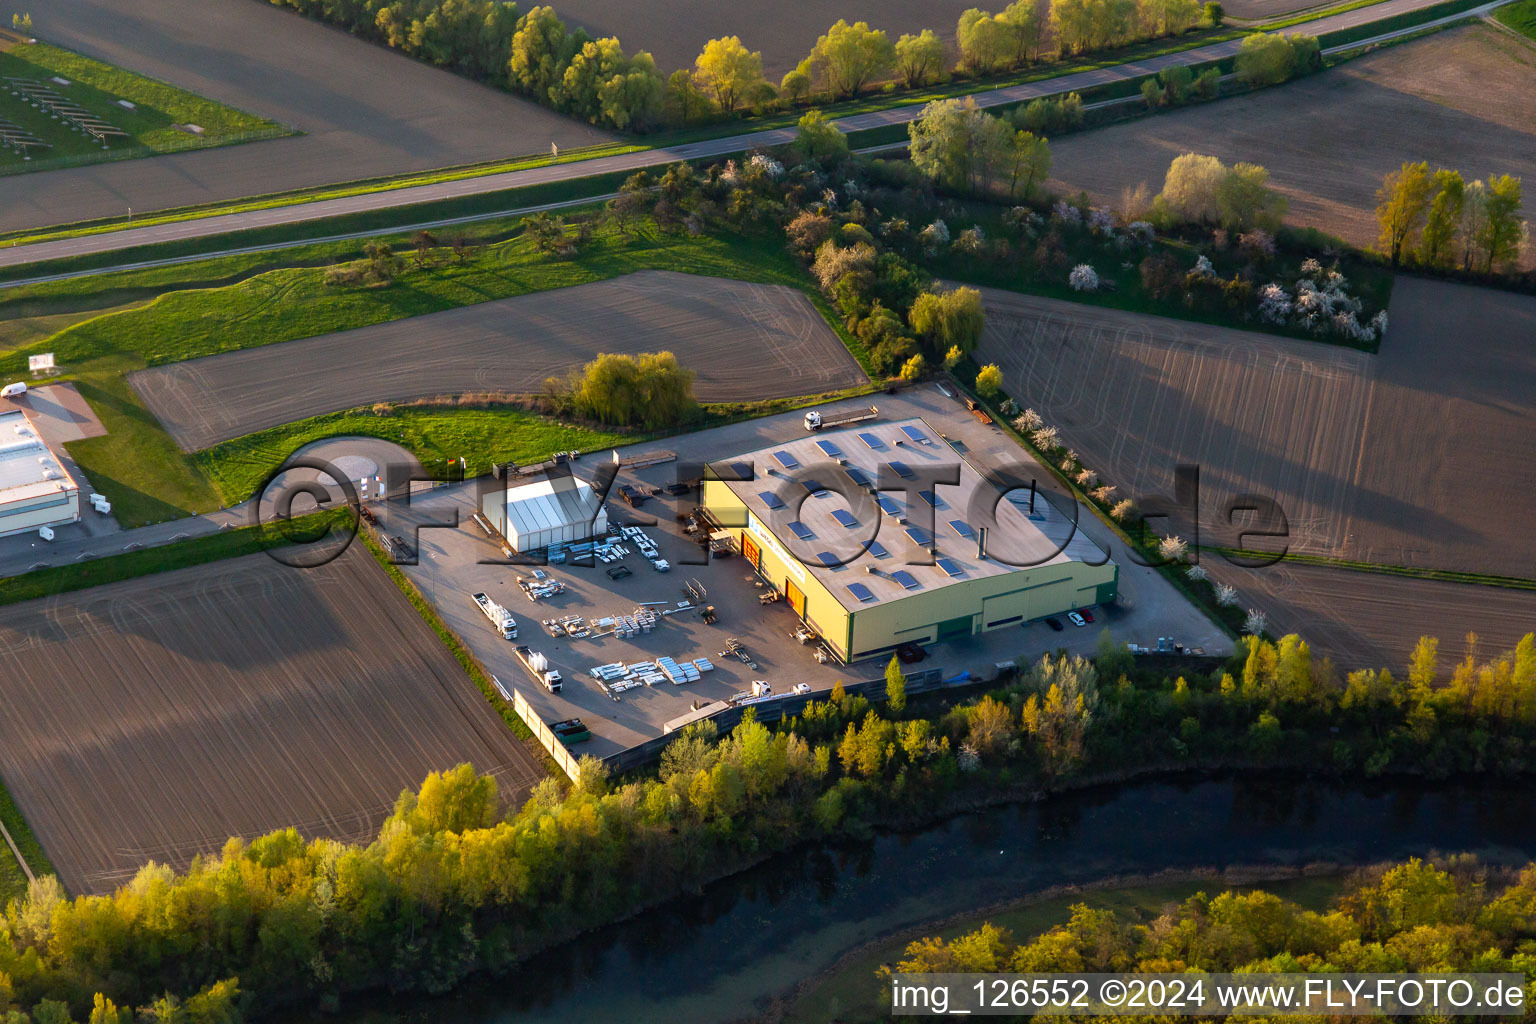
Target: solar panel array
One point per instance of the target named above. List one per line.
(906, 579)
(949, 567)
(829, 449)
(862, 593)
(845, 517)
(800, 530)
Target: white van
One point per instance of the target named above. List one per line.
(14, 390)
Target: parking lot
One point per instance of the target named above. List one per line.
(449, 571)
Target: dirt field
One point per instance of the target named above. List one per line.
(1418, 456)
(364, 110)
(746, 341)
(1465, 98)
(1370, 620)
(156, 717)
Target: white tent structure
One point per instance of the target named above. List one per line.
(557, 510)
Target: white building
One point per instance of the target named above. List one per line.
(35, 488)
(558, 510)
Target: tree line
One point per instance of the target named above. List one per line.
(596, 80)
(1455, 915)
(455, 883)
(1440, 220)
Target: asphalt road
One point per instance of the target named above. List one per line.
(253, 153)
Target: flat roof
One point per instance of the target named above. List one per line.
(877, 534)
(28, 467)
(550, 504)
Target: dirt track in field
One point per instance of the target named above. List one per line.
(1464, 98)
(745, 341)
(154, 718)
(1418, 456)
(365, 111)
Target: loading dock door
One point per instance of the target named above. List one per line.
(795, 598)
(751, 551)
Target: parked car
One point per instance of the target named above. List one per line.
(1086, 613)
(1055, 624)
(1076, 619)
(910, 653)
(618, 572)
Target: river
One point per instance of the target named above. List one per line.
(720, 955)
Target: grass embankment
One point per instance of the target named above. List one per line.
(1519, 16)
(148, 478)
(13, 880)
(98, 87)
(1407, 19)
(852, 990)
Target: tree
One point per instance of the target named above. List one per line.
(852, 56)
(546, 232)
(1437, 242)
(632, 95)
(1084, 25)
(1499, 238)
(1175, 82)
(895, 686)
(648, 390)
(729, 70)
(684, 100)
(383, 264)
(463, 248)
(948, 319)
(1152, 94)
(820, 140)
(1270, 58)
(1027, 163)
(796, 85)
(1245, 201)
(1022, 21)
(1190, 187)
(985, 42)
(964, 148)
(1170, 17)
(919, 57)
(537, 48)
(1214, 13)
(914, 368)
(424, 242)
(1402, 203)
(989, 381)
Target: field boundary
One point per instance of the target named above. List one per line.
(25, 867)
(1384, 568)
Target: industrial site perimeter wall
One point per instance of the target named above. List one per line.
(154, 718)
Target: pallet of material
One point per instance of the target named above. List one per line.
(703, 664)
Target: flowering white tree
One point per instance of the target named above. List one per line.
(1255, 622)
(1086, 478)
(1103, 493)
(1067, 213)
(1009, 407)
(1226, 594)
(1172, 549)
(1142, 231)
(1101, 221)
(1196, 573)
(768, 165)
(972, 241)
(1274, 304)
(1123, 509)
(1045, 438)
(934, 235)
(1083, 278)
(968, 760)
(1203, 269)
(1029, 420)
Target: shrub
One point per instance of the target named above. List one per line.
(1226, 595)
(1255, 623)
(914, 368)
(1161, 275)
(989, 381)
(1214, 13)
(1083, 278)
(1173, 549)
(833, 261)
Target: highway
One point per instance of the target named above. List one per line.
(205, 227)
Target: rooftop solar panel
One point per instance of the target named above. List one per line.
(873, 441)
(830, 561)
(948, 566)
(861, 592)
(919, 536)
(877, 549)
(845, 517)
(800, 530)
(915, 434)
(770, 499)
(963, 528)
(858, 476)
(829, 449)
(931, 498)
(786, 460)
(903, 470)
(815, 487)
(888, 505)
(742, 470)
(906, 579)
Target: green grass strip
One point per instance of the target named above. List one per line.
(1415, 572)
(1519, 16)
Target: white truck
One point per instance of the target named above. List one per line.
(816, 421)
(499, 616)
(537, 666)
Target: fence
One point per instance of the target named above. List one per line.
(543, 734)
